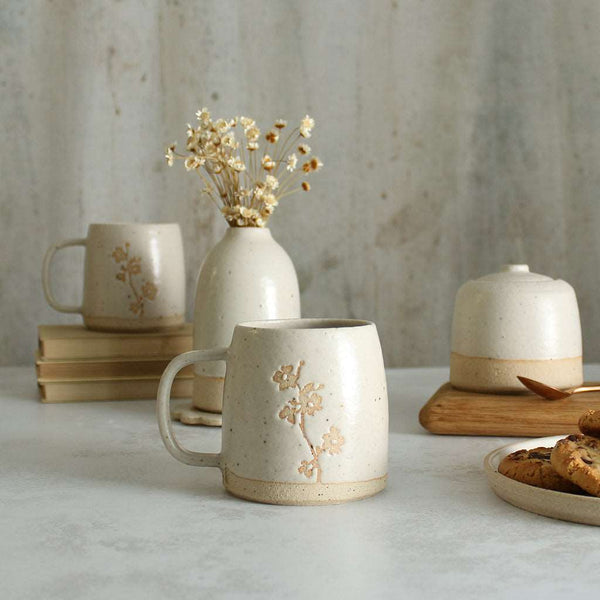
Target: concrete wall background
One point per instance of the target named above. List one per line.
(456, 136)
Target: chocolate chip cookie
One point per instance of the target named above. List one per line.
(577, 458)
(589, 423)
(534, 468)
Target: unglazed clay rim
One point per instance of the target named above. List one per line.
(486, 374)
(302, 494)
(548, 503)
(312, 324)
(524, 360)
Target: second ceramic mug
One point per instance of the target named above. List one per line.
(305, 411)
(134, 278)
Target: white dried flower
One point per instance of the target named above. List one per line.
(193, 162)
(280, 123)
(268, 163)
(271, 183)
(304, 149)
(272, 136)
(170, 156)
(252, 133)
(247, 212)
(236, 164)
(251, 146)
(270, 200)
(229, 141)
(221, 126)
(192, 144)
(229, 212)
(315, 164)
(291, 163)
(306, 126)
(247, 122)
(203, 115)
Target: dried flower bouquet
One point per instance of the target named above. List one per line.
(244, 185)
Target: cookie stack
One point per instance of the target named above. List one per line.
(572, 466)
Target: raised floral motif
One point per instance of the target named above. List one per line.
(333, 441)
(306, 402)
(285, 377)
(129, 268)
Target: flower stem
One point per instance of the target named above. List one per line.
(301, 424)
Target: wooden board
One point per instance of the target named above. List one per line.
(454, 412)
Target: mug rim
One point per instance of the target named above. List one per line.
(305, 324)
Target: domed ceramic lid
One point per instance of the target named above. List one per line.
(516, 314)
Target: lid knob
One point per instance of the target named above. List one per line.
(515, 268)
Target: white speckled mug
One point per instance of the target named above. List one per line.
(134, 278)
(305, 411)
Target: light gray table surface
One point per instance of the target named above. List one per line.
(92, 506)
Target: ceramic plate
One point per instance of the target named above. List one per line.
(558, 505)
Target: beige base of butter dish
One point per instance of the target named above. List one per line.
(494, 375)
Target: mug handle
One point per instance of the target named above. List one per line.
(46, 275)
(163, 407)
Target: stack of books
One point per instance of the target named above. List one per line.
(76, 364)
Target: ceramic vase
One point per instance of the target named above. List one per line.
(246, 276)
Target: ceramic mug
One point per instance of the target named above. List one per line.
(134, 277)
(305, 411)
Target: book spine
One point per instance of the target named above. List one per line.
(109, 390)
(126, 369)
(67, 349)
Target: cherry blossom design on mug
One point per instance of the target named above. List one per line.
(131, 267)
(307, 403)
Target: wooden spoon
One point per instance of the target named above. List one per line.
(551, 393)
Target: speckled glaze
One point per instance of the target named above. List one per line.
(515, 323)
(247, 276)
(305, 411)
(134, 278)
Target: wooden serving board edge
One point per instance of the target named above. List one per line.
(454, 412)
